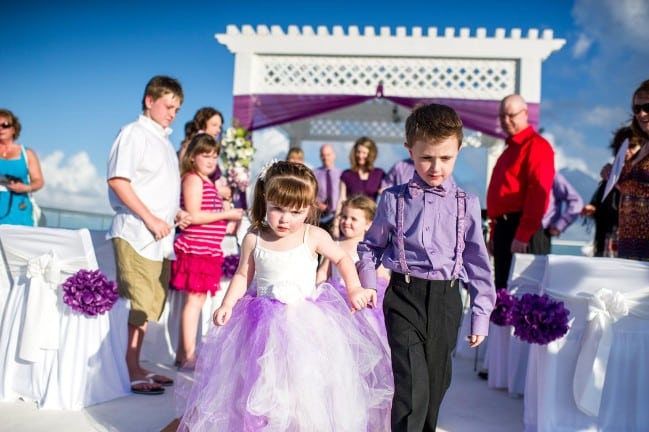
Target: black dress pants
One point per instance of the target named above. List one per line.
(504, 232)
(422, 319)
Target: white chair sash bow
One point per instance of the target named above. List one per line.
(604, 309)
(41, 325)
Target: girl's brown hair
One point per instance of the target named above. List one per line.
(287, 184)
(200, 144)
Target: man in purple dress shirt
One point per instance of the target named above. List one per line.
(400, 173)
(564, 208)
(428, 232)
(328, 177)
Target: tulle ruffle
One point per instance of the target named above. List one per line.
(196, 273)
(372, 318)
(299, 367)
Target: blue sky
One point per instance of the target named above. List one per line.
(74, 71)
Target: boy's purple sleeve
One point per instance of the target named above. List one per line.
(477, 267)
(370, 250)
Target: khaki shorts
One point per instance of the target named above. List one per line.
(143, 281)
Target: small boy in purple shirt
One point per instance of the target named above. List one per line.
(428, 232)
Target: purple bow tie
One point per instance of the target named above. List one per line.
(416, 189)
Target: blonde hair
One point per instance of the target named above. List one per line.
(200, 144)
(361, 202)
(295, 152)
(287, 184)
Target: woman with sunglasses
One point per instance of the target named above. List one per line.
(633, 234)
(20, 174)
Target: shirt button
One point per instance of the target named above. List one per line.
(427, 228)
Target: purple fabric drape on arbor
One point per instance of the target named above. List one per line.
(260, 111)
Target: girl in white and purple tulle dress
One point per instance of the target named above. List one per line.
(288, 357)
(356, 215)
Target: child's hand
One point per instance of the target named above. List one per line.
(362, 298)
(234, 214)
(475, 340)
(183, 218)
(222, 315)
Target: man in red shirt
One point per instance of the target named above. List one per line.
(519, 190)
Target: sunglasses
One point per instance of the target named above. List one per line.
(6, 125)
(643, 107)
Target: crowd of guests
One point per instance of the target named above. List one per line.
(324, 225)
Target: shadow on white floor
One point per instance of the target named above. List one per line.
(469, 406)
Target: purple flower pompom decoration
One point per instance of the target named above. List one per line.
(539, 319)
(229, 267)
(503, 312)
(90, 292)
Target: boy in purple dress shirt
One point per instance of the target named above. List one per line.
(428, 232)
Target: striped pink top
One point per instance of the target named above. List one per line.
(203, 239)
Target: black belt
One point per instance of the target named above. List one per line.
(509, 217)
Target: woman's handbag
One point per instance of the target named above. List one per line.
(36, 210)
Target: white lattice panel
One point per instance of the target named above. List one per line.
(384, 131)
(450, 78)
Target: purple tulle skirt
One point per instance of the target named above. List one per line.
(301, 367)
(371, 318)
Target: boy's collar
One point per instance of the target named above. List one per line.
(156, 127)
(416, 186)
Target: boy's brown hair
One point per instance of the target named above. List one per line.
(433, 122)
(161, 85)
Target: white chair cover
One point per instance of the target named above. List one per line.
(506, 358)
(49, 353)
(594, 378)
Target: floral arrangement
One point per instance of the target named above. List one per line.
(539, 319)
(503, 312)
(237, 152)
(90, 292)
(536, 319)
(229, 266)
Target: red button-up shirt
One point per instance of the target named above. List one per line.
(521, 181)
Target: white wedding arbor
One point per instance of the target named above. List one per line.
(334, 85)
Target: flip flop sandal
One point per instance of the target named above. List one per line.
(153, 391)
(163, 381)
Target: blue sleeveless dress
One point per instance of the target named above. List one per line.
(15, 208)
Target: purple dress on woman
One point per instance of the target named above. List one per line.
(370, 187)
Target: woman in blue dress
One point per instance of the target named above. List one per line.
(20, 174)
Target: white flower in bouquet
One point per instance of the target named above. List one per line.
(237, 152)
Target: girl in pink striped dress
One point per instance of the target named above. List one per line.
(197, 268)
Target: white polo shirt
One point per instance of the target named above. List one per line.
(143, 154)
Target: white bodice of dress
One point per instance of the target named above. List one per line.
(288, 276)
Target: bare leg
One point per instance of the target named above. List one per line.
(189, 326)
(135, 372)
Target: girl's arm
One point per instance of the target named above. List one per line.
(359, 297)
(324, 271)
(239, 282)
(193, 197)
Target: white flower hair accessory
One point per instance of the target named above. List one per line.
(264, 169)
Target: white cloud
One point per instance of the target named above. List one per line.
(73, 183)
(605, 115)
(571, 151)
(582, 46)
(615, 23)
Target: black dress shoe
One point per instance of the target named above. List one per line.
(483, 375)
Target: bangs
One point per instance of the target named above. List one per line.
(290, 192)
